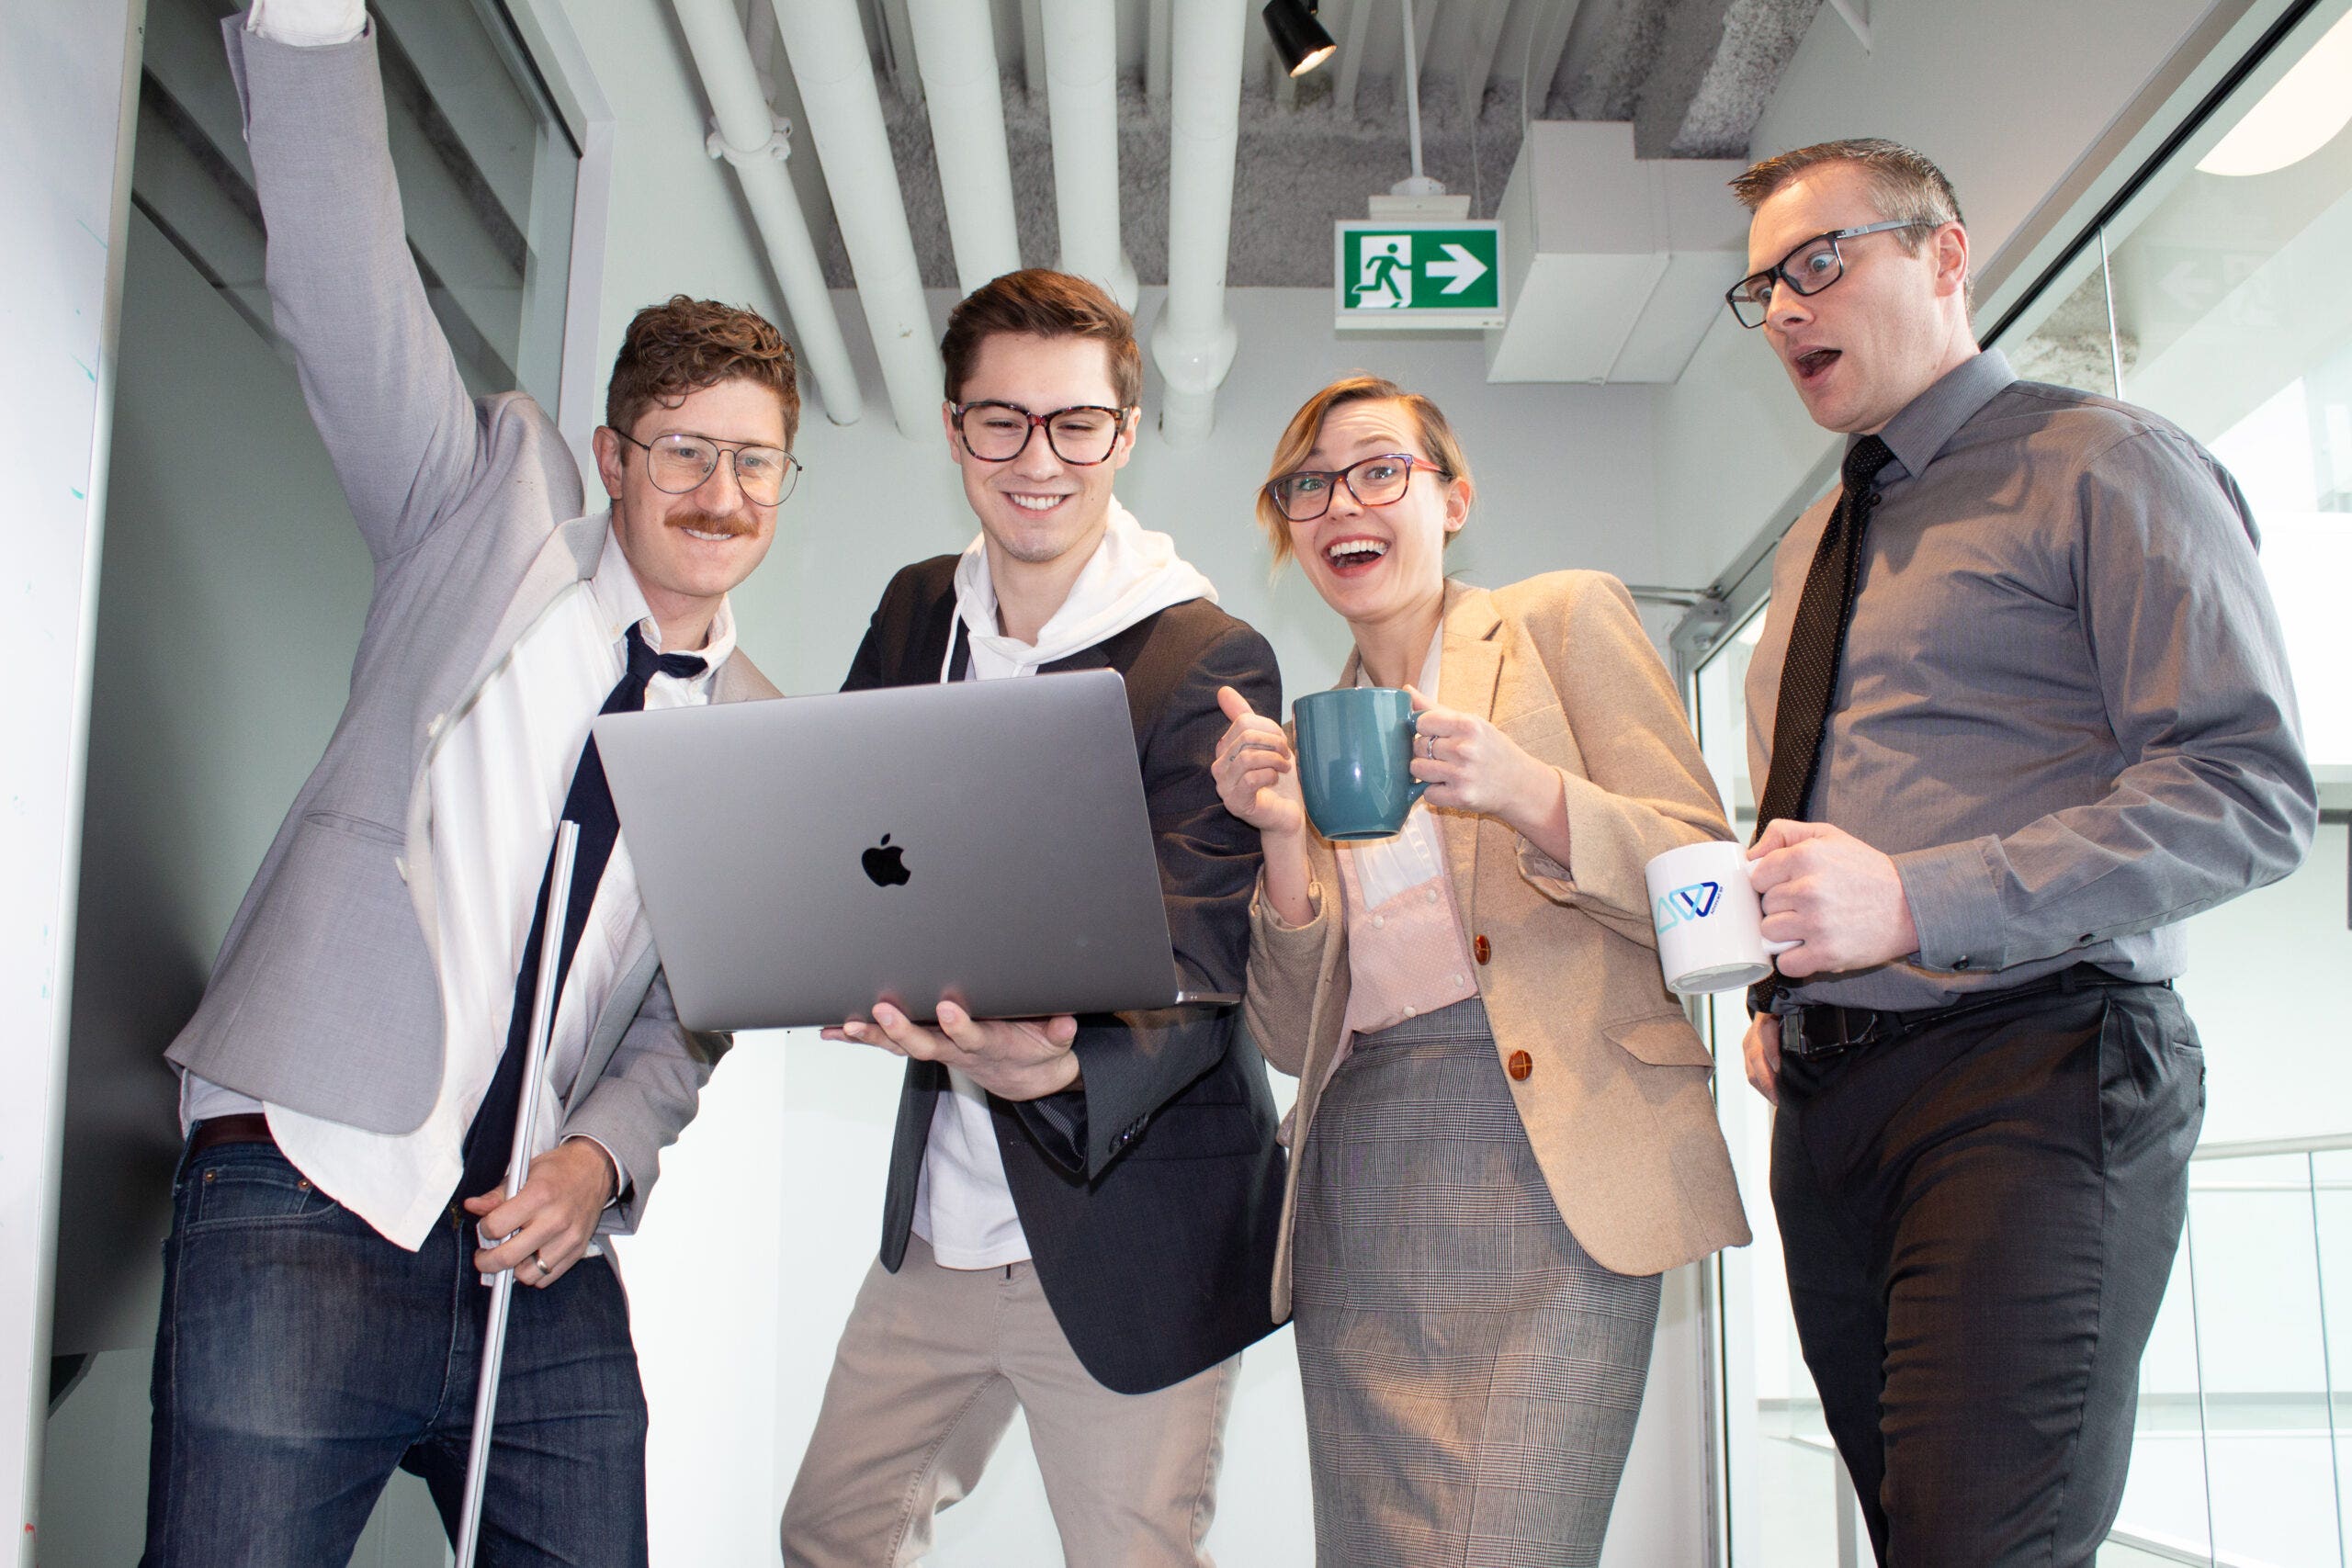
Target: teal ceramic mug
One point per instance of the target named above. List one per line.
(1355, 760)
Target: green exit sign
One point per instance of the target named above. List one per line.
(1419, 274)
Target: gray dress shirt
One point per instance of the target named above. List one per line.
(2064, 707)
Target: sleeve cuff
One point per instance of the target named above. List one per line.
(1272, 918)
(1955, 905)
(620, 1171)
(307, 24)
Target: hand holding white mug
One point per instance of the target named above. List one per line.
(1708, 918)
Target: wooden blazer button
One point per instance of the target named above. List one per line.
(1480, 950)
(1519, 1065)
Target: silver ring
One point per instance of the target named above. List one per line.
(544, 1269)
(1429, 746)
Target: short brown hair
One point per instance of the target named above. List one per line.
(1904, 185)
(1037, 302)
(682, 345)
(1299, 436)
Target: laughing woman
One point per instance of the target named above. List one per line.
(1504, 1133)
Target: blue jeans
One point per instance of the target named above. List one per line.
(301, 1357)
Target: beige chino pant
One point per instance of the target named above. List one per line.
(931, 1366)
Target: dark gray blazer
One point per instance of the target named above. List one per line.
(1152, 1193)
(324, 997)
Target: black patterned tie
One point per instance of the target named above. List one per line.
(1818, 639)
(490, 1141)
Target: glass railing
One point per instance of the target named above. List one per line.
(2241, 1459)
(2242, 1454)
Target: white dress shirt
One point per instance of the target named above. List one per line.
(498, 773)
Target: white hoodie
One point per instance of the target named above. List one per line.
(1134, 572)
(962, 1207)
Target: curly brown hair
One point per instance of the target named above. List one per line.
(684, 344)
(1035, 302)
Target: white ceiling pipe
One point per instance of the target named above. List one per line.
(746, 133)
(825, 43)
(1193, 345)
(1082, 104)
(955, 45)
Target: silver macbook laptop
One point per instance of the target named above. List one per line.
(984, 841)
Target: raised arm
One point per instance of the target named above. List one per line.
(378, 374)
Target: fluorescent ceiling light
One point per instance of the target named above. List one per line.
(2298, 117)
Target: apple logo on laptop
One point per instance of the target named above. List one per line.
(885, 865)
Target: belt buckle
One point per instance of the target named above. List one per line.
(1795, 1041)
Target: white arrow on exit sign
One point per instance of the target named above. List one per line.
(1462, 268)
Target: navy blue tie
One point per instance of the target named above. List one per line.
(490, 1141)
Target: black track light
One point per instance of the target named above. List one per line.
(1297, 37)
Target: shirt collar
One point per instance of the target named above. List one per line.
(1929, 420)
(620, 603)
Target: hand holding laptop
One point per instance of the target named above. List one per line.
(1013, 1058)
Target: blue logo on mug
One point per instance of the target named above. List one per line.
(1695, 902)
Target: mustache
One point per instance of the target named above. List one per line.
(709, 523)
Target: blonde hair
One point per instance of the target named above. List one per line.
(1299, 436)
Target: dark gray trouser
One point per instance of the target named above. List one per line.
(1980, 1222)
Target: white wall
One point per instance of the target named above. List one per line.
(64, 166)
(2006, 95)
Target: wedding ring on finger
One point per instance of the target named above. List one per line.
(544, 1269)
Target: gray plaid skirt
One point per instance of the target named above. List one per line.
(1472, 1375)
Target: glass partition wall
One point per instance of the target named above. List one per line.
(2218, 293)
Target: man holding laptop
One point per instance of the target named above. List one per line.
(1081, 1215)
(351, 1079)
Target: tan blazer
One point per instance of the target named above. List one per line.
(1615, 1096)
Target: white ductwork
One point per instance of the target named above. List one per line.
(1194, 343)
(1614, 267)
(956, 46)
(1082, 102)
(826, 44)
(747, 133)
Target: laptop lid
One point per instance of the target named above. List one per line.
(981, 840)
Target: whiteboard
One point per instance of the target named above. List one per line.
(66, 98)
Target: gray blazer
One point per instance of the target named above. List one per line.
(324, 997)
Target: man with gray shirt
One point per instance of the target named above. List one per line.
(351, 1079)
(2021, 705)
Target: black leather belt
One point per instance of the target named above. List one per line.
(1820, 1030)
(246, 1127)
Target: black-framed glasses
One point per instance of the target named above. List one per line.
(679, 464)
(1303, 495)
(1810, 269)
(997, 431)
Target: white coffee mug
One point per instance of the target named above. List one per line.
(1709, 921)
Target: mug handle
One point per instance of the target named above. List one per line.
(1419, 787)
(1771, 949)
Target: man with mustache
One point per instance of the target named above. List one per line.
(1082, 1212)
(2021, 707)
(350, 1081)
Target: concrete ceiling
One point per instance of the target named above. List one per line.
(1692, 76)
